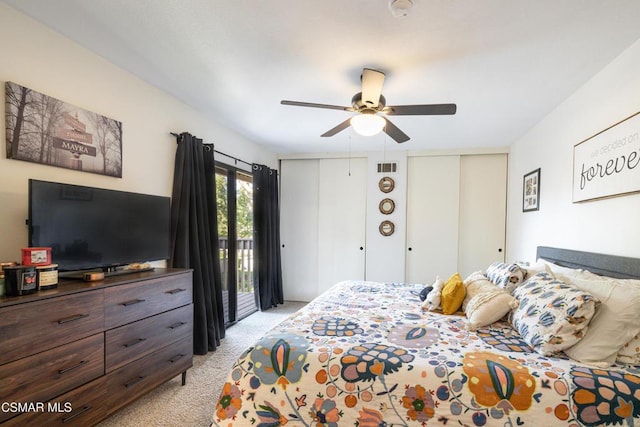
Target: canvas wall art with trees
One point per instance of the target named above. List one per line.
(45, 130)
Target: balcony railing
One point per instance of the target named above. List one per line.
(244, 263)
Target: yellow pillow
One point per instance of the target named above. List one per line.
(453, 294)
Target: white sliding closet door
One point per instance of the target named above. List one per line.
(341, 218)
(483, 204)
(299, 228)
(433, 190)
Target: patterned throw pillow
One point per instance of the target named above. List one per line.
(552, 314)
(506, 276)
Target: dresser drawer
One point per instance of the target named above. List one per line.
(128, 303)
(27, 329)
(137, 378)
(45, 375)
(81, 407)
(130, 342)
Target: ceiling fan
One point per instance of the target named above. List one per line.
(371, 107)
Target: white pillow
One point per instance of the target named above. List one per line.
(489, 307)
(616, 321)
(629, 354)
(552, 315)
(476, 283)
(565, 272)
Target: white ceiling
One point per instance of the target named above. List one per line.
(505, 63)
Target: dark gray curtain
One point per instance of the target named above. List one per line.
(266, 223)
(194, 237)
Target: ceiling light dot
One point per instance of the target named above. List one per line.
(400, 8)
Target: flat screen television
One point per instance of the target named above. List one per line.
(91, 228)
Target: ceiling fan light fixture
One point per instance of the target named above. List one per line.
(367, 124)
(400, 8)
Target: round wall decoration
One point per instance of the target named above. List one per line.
(387, 206)
(386, 184)
(386, 228)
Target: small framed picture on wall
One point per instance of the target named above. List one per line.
(531, 191)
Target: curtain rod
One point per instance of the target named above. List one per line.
(220, 152)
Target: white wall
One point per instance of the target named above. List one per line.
(609, 226)
(40, 59)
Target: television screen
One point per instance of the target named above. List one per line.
(88, 228)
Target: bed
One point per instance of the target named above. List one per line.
(367, 354)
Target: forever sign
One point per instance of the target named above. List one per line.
(608, 163)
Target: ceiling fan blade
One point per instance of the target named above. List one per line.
(394, 132)
(342, 126)
(420, 110)
(372, 81)
(311, 104)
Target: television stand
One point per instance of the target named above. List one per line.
(89, 349)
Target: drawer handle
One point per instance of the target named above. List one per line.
(134, 382)
(177, 325)
(176, 358)
(72, 318)
(134, 342)
(71, 368)
(77, 413)
(132, 302)
(176, 291)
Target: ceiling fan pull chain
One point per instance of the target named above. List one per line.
(349, 153)
(384, 145)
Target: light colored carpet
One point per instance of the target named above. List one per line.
(172, 405)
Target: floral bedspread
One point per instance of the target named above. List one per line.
(365, 354)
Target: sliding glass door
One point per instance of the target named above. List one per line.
(234, 190)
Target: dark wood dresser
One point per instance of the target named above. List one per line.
(75, 354)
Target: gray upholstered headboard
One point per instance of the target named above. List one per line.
(605, 265)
